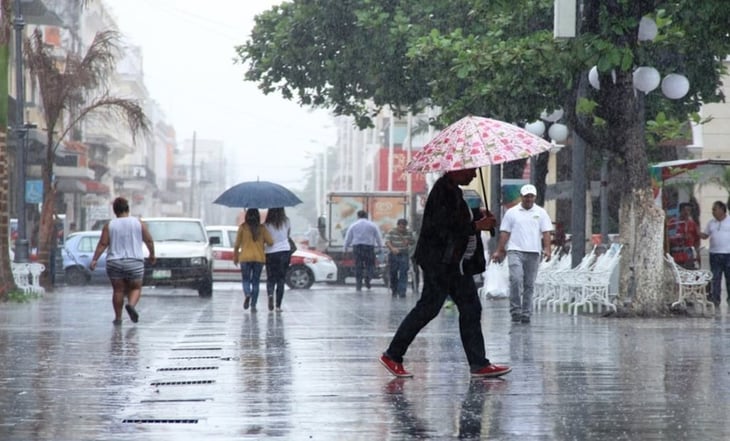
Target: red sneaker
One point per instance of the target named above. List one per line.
(393, 367)
(491, 371)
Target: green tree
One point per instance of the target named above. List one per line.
(77, 86)
(499, 59)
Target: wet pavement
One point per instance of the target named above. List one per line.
(194, 368)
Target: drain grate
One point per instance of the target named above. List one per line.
(188, 368)
(177, 400)
(197, 349)
(160, 421)
(198, 357)
(181, 383)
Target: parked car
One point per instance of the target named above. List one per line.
(77, 252)
(305, 266)
(184, 257)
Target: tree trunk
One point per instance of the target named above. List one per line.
(46, 230)
(642, 288)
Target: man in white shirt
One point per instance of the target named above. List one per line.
(718, 231)
(524, 232)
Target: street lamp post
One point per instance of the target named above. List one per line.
(604, 197)
(21, 132)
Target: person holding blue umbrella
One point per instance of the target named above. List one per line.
(277, 255)
(248, 252)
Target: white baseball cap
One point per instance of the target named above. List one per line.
(528, 189)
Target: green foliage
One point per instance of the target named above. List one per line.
(18, 296)
(666, 129)
(494, 58)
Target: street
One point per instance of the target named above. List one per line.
(195, 367)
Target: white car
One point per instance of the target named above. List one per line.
(183, 254)
(305, 266)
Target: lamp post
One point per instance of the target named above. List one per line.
(21, 132)
(558, 134)
(604, 197)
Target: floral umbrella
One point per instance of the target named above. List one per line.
(474, 142)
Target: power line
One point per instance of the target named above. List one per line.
(186, 16)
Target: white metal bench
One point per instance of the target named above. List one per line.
(692, 286)
(27, 277)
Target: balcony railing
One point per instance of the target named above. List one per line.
(138, 172)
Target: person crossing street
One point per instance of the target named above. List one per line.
(450, 252)
(400, 242)
(363, 236)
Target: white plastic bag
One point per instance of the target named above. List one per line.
(496, 283)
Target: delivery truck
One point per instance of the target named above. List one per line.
(383, 208)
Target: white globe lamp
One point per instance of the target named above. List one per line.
(646, 79)
(537, 128)
(675, 86)
(593, 78)
(558, 133)
(647, 29)
(552, 117)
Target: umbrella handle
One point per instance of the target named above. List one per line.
(492, 231)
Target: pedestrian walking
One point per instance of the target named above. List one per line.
(363, 235)
(450, 252)
(718, 231)
(277, 255)
(123, 237)
(248, 252)
(523, 233)
(400, 242)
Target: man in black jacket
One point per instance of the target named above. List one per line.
(450, 252)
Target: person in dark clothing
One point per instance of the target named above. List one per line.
(450, 252)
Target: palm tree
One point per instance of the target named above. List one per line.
(77, 87)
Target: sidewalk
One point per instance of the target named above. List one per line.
(194, 368)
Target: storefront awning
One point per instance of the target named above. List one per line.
(701, 171)
(81, 185)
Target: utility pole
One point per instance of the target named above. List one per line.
(325, 187)
(391, 149)
(192, 179)
(20, 129)
(409, 180)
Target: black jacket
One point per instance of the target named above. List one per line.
(445, 230)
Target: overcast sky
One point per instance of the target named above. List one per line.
(188, 53)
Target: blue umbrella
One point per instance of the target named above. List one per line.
(257, 194)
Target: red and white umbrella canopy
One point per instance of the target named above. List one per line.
(474, 142)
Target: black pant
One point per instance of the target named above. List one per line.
(364, 264)
(438, 283)
(276, 266)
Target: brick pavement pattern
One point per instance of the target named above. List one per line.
(194, 368)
